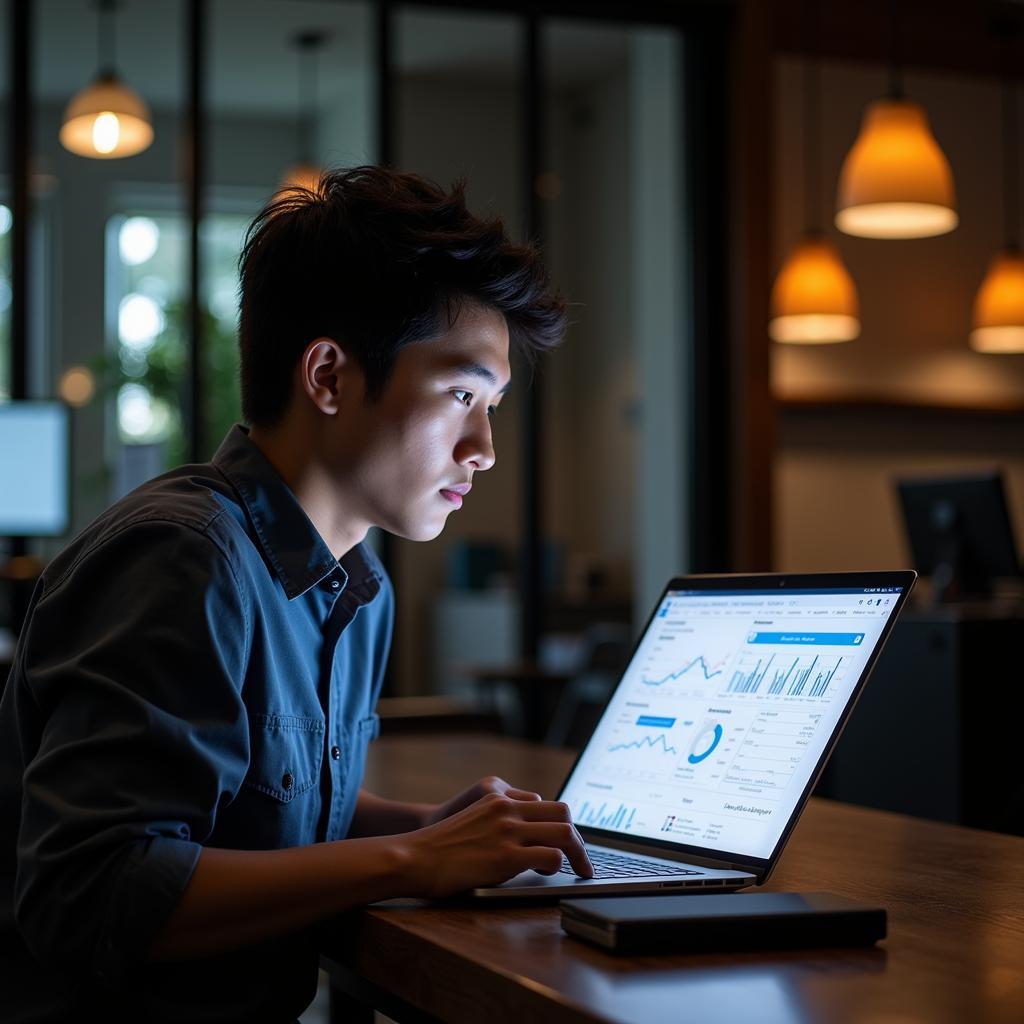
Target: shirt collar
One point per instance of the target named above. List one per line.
(293, 547)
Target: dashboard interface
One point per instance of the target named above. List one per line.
(723, 713)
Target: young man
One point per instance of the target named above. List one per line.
(183, 735)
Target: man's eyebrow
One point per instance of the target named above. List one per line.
(479, 370)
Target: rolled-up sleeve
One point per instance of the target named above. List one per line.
(136, 685)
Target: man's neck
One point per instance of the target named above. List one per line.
(295, 459)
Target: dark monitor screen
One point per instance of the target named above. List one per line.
(959, 532)
(34, 492)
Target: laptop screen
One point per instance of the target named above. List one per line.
(724, 711)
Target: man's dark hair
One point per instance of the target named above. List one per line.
(376, 259)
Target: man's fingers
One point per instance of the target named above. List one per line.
(565, 839)
(542, 859)
(522, 794)
(546, 810)
(496, 784)
(557, 812)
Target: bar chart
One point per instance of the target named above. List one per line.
(822, 678)
(750, 682)
(782, 674)
(601, 816)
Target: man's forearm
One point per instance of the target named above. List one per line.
(238, 897)
(376, 816)
(482, 836)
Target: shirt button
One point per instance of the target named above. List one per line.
(287, 780)
(335, 585)
(336, 753)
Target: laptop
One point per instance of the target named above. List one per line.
(711, 742)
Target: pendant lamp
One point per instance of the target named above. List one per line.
(998, 318)
(306, 173)
(896, 181)
(106, 120)
(814, 301)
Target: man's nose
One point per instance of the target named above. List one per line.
(477, 446)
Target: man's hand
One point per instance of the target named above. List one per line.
(491, 840)
(491, 784)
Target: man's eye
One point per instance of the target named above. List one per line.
(465, 397)
(491, 410)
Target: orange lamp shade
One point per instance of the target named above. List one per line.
(896, 181)
(999, 306)
(814, 301)
(106, 120)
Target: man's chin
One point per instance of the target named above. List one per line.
(420, 531)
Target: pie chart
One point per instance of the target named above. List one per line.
(707, 739)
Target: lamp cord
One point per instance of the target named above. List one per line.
(106, 39)
(895, 52)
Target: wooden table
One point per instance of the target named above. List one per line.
(955, 950)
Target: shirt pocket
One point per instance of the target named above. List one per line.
(369, 728)
(285, 754)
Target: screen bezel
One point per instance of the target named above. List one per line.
(761, 867)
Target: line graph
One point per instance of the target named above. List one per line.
(709, 671)
(646, 741)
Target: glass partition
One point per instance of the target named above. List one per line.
(458, 111)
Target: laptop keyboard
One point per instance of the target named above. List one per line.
(620, 865)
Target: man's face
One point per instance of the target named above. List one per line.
(412, 453)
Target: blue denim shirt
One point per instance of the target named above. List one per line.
(197, 669)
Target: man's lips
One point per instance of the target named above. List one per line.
(455, 493)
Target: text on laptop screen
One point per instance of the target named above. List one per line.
(723, 714)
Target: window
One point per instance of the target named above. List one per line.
(146, 368)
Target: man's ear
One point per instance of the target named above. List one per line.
(324, 373)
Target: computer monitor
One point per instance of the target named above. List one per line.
(959, 533)
(34, 491)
